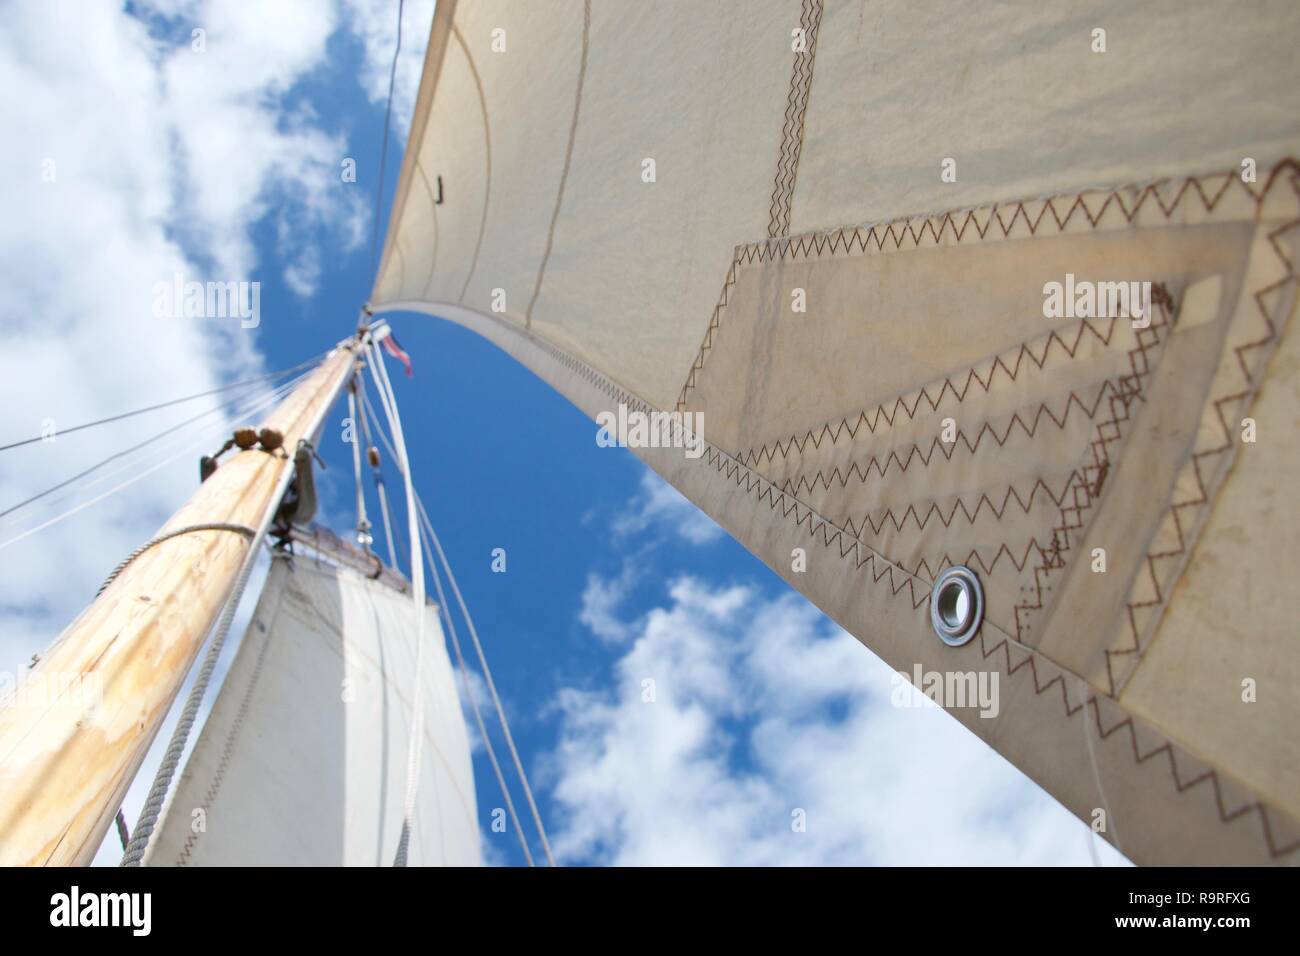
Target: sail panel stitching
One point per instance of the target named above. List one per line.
(819, 528)
(801, 77)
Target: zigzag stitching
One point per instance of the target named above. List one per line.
(787, 166)
(804, 482)
(767, 491)
(1181, 786)
(949, 385)
(958, 504)
(974, 558)
(844, 240)
(1133, 654)
(1127, 392)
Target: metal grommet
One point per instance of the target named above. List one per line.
(956, 605)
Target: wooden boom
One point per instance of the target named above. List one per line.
(75, 733)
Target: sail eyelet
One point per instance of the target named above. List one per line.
(956, 605)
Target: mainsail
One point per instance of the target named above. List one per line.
(303, 760)
(845, 234)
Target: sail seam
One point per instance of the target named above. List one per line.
(568, 160)
(1005, 365)
(995, 222)
(801, 77)
(1185, 513)
(487, 154)
(433, 218)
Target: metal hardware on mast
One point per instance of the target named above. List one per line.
(73, 737)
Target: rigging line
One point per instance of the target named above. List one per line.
(159, 539)
(188, 449)
(496, 699)
(365, 400)
(500, 710)
(175, 401)
(388, 520)
(363, 525)
(116, 455)
(1092, 760)
(378, 477)
(176, 746)
(201, 435)
(415, 751)
(144, 826)
(389, 403)
(383, 149)
(464, 676)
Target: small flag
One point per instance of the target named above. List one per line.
(394, 348)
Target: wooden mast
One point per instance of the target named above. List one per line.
(74, 735)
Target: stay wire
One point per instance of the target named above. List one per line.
(383, 149)
(138, 476)
(121, 454)
(415, 752)
(378, 476)
(496, 699)
(176, 401)
(478, 647)
(425, 531)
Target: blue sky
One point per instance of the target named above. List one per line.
(763, 708)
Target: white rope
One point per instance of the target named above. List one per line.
(176, 746)
(415, 751)
(427, 530)
(382, 436)
(363, 525)
(379, 478)
(388, 521)
(1096, 773)
(487, 672)
(496, 699)
(179, 436)
(144, 827)
(186, 449)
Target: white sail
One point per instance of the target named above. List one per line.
(303, 760)
(831, 230)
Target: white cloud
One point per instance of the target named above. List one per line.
(600, 601)
(375, 23)
(471, 692)
(243, 146)
(762, 707)
(662, 508)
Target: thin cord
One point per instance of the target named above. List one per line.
(378, 477)
(496, 699)
(175, 401)
(383, 150)
(1096, 773)
(363, 524)
(176, 746)
(138, 476)
(159, 539)
(100, 464)
(415, 751)
(426, 530)
(487, 673)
